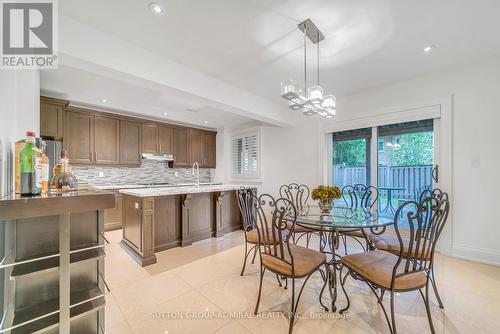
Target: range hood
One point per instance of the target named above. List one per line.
(158, 157)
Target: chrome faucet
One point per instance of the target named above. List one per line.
(197, 184)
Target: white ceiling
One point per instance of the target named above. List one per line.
(254, 44)
(88, 89)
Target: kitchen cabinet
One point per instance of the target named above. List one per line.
(165, 140)
(113, 217)
(92, 139)
(209, 143)
(130, 143)
(202, 148)
(149, 138)
(157, 139)
(52, 118)
(79, 137)
(195, 147)
(180, 141)
(106, 140)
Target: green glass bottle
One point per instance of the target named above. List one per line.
(27, 166)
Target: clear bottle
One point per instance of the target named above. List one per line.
(64, 159)
(65, 181)
(27, 166)
(42, 167)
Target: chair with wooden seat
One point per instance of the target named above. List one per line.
(408, 270)
(390, 243)
(278, 254)
(251, 237)
(358, 196)
(298, 195)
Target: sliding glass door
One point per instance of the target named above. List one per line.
(405, 162)
(351, 157)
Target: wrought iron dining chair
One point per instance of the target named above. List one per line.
(391, 243)
(278, 254)
(298, 195)
(245, 199)
(410, 269)
(358, 196)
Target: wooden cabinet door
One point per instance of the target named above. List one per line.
(165, 140)
(113, 217)
(180, 147)
(208, 141)
(51, 120)
(106, 141)
(79, 137)
(195, 147)
(130, 143)
(149, 138)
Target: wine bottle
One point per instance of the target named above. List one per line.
(27, 166)
(42, 167)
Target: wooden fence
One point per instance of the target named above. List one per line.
(411, 178)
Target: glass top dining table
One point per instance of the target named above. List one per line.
(341, 217)
(329, 227)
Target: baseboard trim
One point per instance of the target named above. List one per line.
(478, 254)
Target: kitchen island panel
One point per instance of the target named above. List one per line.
(167, 225)
(197, 217)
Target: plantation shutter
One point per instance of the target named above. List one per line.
(244, 150)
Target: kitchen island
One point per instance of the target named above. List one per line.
(156, 219)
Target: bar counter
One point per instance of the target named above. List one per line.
(52, 262)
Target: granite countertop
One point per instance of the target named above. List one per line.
(141, 186)
(166, 191)
(14, 206)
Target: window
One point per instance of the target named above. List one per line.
(380, 145)
(245, 155)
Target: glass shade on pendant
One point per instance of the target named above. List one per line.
(329, 102)
(289, 90)
(315, 94)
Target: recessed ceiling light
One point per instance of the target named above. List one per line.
(156, 8)
(165, 113)
(429, 48)
(206, 122)
(104, 100)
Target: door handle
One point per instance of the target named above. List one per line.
(435, 173)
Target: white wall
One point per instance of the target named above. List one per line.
(295, 153)
(19, 112)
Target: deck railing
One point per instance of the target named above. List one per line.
(411, 178)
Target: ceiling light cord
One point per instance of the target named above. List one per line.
(317, 54)
(305, 61)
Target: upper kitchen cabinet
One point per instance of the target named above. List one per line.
(52, 117)
(130, 143)
(208, 144)
(165, 140)
(180, 141)
(106, 140)
(202, 148)
(149, 138)
(79, 137)
(157, 139)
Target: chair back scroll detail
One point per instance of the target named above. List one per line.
(273, 218)
(359, 196)
(426, 220)
(245, 203)
(296, 194)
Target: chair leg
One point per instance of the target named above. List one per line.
(344, 239)
(262, 270)
(434, 286)
(308, 238)
(393, 314)
(427, 307)
(254, 254)
(342, 283)
(245, 260)
(292, 313)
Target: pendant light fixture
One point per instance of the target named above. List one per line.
(310, 100)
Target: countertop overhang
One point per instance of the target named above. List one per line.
(14, 206)
(168, 191)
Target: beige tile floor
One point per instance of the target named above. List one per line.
(175, 295)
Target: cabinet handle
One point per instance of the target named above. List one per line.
(96, 156)
(160, 147)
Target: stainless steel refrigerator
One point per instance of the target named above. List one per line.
(53, 151)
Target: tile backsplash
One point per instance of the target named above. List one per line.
(148, 172)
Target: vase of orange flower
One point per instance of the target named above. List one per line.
(325, 196)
